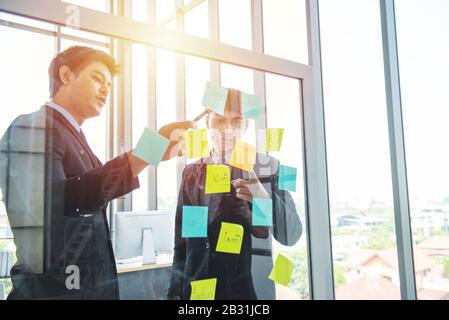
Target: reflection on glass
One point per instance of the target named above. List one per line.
(26, 21)
(235, 23)
(140, 116)
(285, 29)
(35, 71)
(166, 113)
(424, 68)
(284, 93)
(99, 5)
(196, 21)
(164, 10)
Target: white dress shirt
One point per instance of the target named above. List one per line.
(66, 114)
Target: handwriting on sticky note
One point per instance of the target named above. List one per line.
(287, 178)
(230, 238)
(194, 221)
(273, 139)
(218, 179)
(262, 212)
(243, 156)
(215, 98)
(251, 106)
(203, 289)
(196, 143)
(151, 147)
(282, 270)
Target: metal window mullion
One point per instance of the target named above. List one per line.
(397, 152)
(214, 35)
(152, 106)
(258, 46)
(317, 193)
(134, 31)
(180, 86)
(123, 115)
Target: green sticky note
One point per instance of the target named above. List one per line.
(194, 221)
(251, 106)
(287, 178)
(151, 147)
(262, 212)
(218, 179)
(230, 238)
(273, 139)
(282, 270)
(196, 143)
(203, 289)
(215, 98)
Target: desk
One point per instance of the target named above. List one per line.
(144, 282)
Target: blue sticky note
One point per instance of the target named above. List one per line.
(287, 178)
(151, 147)
(251, 106)
(194, 222)
(215, 98)
(262, 212)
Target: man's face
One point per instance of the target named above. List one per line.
(90, 88)
(224, 130)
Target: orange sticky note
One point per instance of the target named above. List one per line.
(243, 156)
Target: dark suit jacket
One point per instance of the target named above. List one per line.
(196, 258)
(56, 192)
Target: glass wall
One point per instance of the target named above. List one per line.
(150, 236)
(360, 189)
(423, 50)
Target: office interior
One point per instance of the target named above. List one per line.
(358, 87)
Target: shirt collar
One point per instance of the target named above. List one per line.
(66, 115)
(217, 159)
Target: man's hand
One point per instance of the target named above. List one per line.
(174, 132)
(249, 189)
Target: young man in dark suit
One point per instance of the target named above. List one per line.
(56, 190)
(197, 258)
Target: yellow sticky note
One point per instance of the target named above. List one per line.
(196, 143)
(203, 289)
(230, 238)
(243, 156)
(282, 270)
(273, 139)
(218, 179)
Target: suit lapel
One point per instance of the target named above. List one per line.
(57, 115)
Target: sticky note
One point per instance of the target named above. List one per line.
(151, 147)
(230, 238)
(196, 143)
(273, 139)
(287, 178)
(282, 270)
(243, 156)
(203, 289)
(194, 221)
(218, 179)
(251, 106)
(215, 98)
(262, 212)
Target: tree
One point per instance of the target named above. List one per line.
(446, 268)
(339, 276)
(381, 237)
